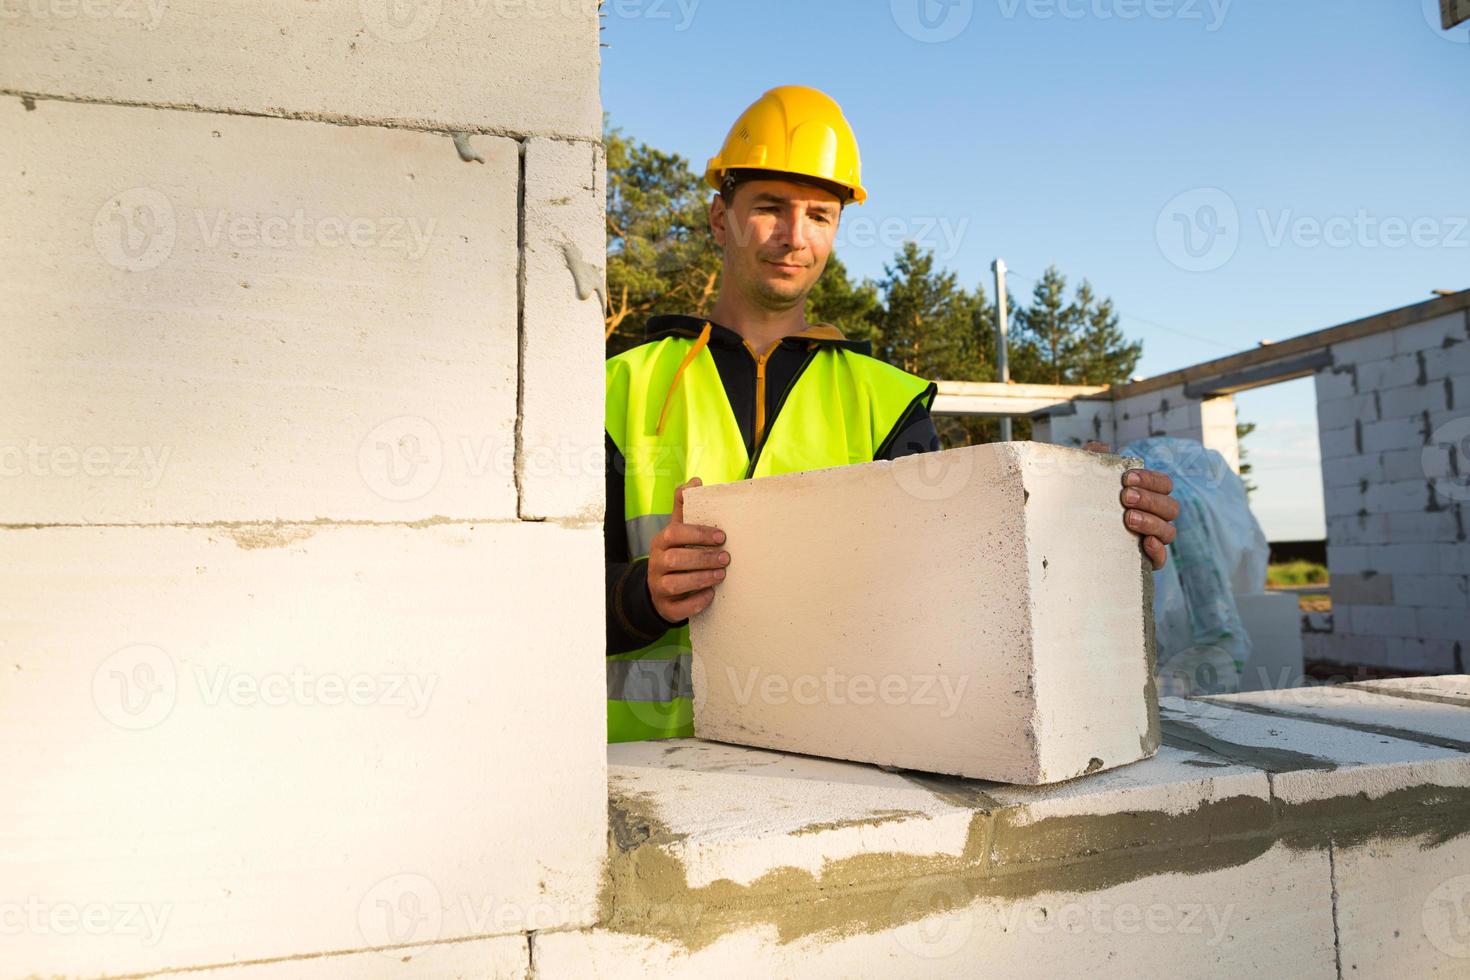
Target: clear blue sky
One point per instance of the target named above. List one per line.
(1064, 131)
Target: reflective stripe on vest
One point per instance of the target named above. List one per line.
(649, 680)
(642, 530)
(839, 410)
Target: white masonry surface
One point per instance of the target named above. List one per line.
(301, 615)
(979, 612)
(1324, 835)
(1392, 419)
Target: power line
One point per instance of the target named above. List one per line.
(1158, 326)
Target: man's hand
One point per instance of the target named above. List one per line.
(1149, 510)
(683, 565)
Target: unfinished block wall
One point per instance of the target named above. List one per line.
(300, 435)
(1394, 431)
(1128, 416)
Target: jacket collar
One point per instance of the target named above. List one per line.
(817, 335)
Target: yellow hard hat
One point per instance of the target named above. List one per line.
(796, 130)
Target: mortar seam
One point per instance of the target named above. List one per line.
(1367, 728)
(323, 955)
(245, 525)
(520, 329)
(1332, 878)
(331, 119)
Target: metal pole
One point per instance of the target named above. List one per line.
(1001, 362)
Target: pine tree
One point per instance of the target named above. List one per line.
(661, 257)
(927, 322)
(1046, 332)
(1101, 354)
(1070, 343)
(847, 305)
(1243, 429)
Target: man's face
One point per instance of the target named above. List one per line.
(776, 235)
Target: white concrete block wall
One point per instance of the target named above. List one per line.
(1313, 832)
(1393, 420)
(1169, 413)
(519, 67)
(1093, 421)
(300, 493)
(1162, 413)
(244, 319)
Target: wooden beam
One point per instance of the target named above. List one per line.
(1454, 12)
(1258, 377)
(1304, 344)
(995, 400)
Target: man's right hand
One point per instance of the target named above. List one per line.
(683, 565)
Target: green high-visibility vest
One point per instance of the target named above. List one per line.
(841, 409)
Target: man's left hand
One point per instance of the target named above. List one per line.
(1149, 511)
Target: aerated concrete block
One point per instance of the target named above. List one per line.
(979, 612)
(514, 66)
(247, 319)
(245, 743)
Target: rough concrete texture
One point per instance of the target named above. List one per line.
(561, 465)
(297, 739)
(513, 66)
(1393, 447)
(1311, 761)
(1266, 917)
(1249, 845)
(1169, 412)
(1403, 908)
(498, 958)
(1450, 689)
(979, 612)
(1436, 721)
(1274, 622)
(246, 319)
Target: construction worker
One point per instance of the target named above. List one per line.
(753, 390)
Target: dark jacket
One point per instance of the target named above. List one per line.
(632, 622)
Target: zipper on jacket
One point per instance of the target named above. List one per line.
(760, 390)
(760, 444)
